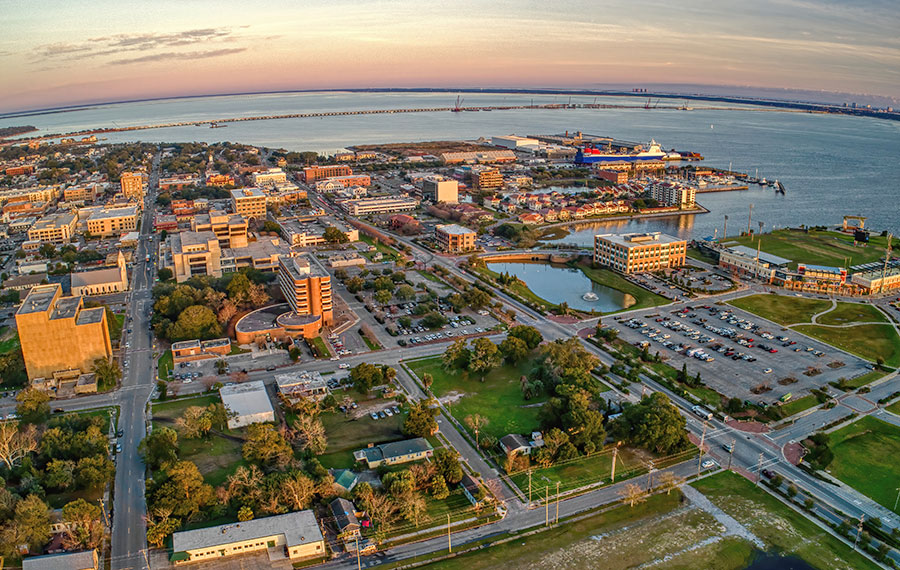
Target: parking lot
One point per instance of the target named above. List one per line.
(737, 354)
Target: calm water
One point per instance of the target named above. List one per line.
(557, 283)
(830, 165)
(773, 561)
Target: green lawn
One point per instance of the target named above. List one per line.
(707, 395)
(115, 325)
(643, 298)
(846, 313)
(386, 250)
(236, 349)
(431, 277)
(865, 457)
(817, 247)
(164, 365)
(894, 408)
(782, 528)
(866, 341)
(798, 405)
(694, 253)
(781, 309)
(319, 346)
(866, 378)
(10, 343)
(498, 398)
(370, 344)
(346, 435)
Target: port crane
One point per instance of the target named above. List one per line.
(457, 108)
(647, 104)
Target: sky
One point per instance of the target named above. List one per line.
(57, 52)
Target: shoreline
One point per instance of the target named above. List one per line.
(616, 218)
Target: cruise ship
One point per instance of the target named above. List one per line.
(592, 155)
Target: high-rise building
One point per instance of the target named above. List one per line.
(670, 193)
(439, 189)
(484, 178)
(249, 202)
(639, 252)
(195, 253)
(306, 287)
(58, 335)
(132, 184)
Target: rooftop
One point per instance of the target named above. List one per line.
(39, 299)
(64, 561)
(89, 316)
(246, 399)
(242, 193)
(300, 267)
(454, 229)
(54, 220)
(639, 239)
(763, 256)
(298, 528)
(188, 239)
(96, 277)
(115, 213)
(405, 447)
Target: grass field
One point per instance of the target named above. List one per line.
(115, 325)
(846, 313)
(694, 253)
(216, 457)
(655, 534)
(575, 474)
(866, 378)
(643, 298)
(320, 347)
(865, 455)
(816, 247)
(346, 435)
(498, 398)
(782, 528)
(164, 365)
(10, 340)
(708, 395)
(782, 309)
(894, 408)
(798, 405)
(866, 341)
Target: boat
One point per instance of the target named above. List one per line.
(779, 187)
(217, 126)
(592, 155)
(763, 182)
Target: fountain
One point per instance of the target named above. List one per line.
(590, 296)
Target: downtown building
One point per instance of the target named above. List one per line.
(639, 252)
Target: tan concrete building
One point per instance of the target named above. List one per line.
(306, 287)
(268, 177)
(313, 174)
(454, 238)
(296, 536)
(440, 189)
(54, 228)
(58, 334)
(101, 281)
(639, 252)
(132, 184)
(230, 229)
(195, 253)
(82, 193)
(486, 178)
(113, 221)
(249, 202)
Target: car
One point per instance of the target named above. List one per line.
(708, 464)
(729, 447)
(374, 415)
(118, 448)
(767, 371)
(120, 433)
(270, 368)
(768, 474)
(396, 409)
(187, 381)
(343, 366)
(388, 412)
(335, 358)
(381, 414)
(58, 410)
(354, 405)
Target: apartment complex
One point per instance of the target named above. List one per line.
(249, 202)
(269, 177)
(639, 252)
(58, 335)
(55, 228)
(113, 221)
(82, 193)
(132, 184)
(230, 229)
(671, 193)
(306, 287)
(379, 205)
(454, 238)
(440, 189)
(313, 174)
(195, 253)
(486, 178)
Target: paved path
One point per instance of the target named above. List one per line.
(732, 526)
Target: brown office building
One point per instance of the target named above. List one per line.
(249, 202)
(133, 184)
(58, 335)
(306, 288)
(454, 238)
(313, 174)
(639, 252)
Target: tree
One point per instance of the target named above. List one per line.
(164, 274)
(475, 422)
(669, 481)
(59, 474)
(384, 283)
(311, 434)
(439, 488)
(633, 494)
(405, 292)
(433, 320)
(159, 530)
(653, 424)
(383, 297)
(31, 522)
(16, 441)
(160, 447)
(94, 472)
(485, 355)
(195, 422)
(196, 322)
(477, 299)
(413, 507)
(34, 407)
(355, 284)
(266, 446)
(84, 529)
(245, 514)
(182, 491)
(514, 349)
(457, 355)
(297, 490)
(446, 464)
(334, 235)
(239, 288)
(427, 380)
(364, 376)
(107, 373)
(420, 420)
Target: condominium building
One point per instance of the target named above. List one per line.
(249, 202)
(306, 287)
(379, 205)
(113, 221)
(440, 189)
(313, 174)
(195, 253)
(673, 194)
(58, 335)
(82, 193)
(486, 178)
(454, 238)
(55, 228)
(133, 183)
(230, 229)
(639, 252)
(270, 176)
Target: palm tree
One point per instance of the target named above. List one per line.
(107, 372)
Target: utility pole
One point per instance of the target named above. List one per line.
(758, 246)
(103, 510)
(449, 545)
(613, 471)
(749, 218)
(146, 558)
(358, 563)
(758, 468)
(529, 487)
(547, 505)
(731, 454)
(859, 528)
(700, 457)
(725, 229)
(898, 498)
(557, 501)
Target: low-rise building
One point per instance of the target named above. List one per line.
(744, 262)
(514, 443)
(395, 452)
(269, 177)
(334, 182)
(878, 280)
(485, 178)
(614, 176)
(178, 182)
(454, 238)
(346, 259)
(379, 205)
(296, 535)
(302, 385)
(345, 520)
(671, 193)
(246, 404)
(440, 189)
(639, 252)
(312, 233)
(85, 560)
(262, 254)
(190, 350)
(219, 180)
(472, 490)
(84, 193)
(113, 221)
(54, 228)
(313, 174)
(480, 156)
(133, 184)
(249, 202)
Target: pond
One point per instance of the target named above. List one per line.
(775, 561)
(558, 283)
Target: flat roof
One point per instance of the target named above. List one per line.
(63, 561)
(115, 213)
(639, 239)
(454, 229)
(298, 528)
(244, 193)
(763, 256)
(88, 316)
(301, 267)
(825, 268)
(54, 220)
(246, 399)
(180, 240)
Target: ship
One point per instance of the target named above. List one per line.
(593, 155)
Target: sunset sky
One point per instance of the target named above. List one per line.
(55, 52)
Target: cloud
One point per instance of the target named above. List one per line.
(175, 55)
